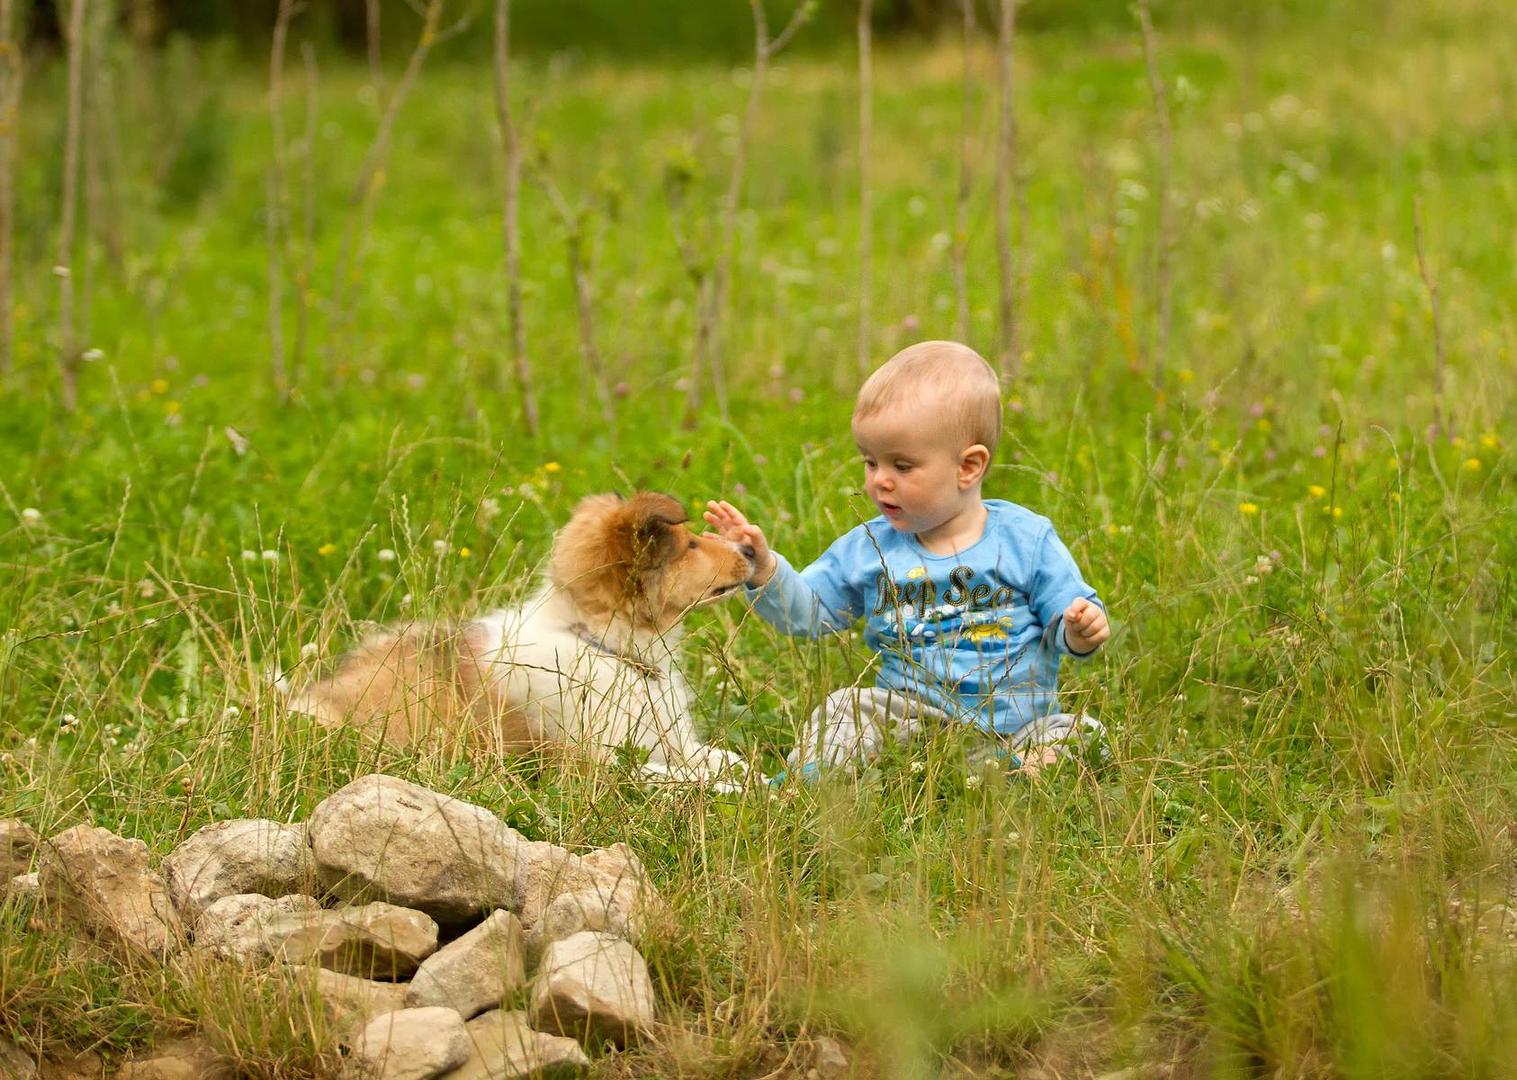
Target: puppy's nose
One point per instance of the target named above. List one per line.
(747, 551)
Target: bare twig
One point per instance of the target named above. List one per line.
(68, 346)
(1164, 240)
(102, 158)
(966, 142)
(709, 315)
(1431, 286)
(866, 227)
(305, 275)
(371, 178)
(521, 364)
(1006, 164)
(573, 219)
(11, 70)
(274, 227)
(376, 65)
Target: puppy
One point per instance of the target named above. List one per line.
(588, 661)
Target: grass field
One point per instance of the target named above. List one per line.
(1302, 858)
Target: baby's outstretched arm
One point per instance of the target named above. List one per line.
(730, 522)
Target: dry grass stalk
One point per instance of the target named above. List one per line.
(1164, 240)
(709, 314)
(371, 179)
(68, 345)
(866, 223)
(521, 364)
(11, 74)
(1431, 285)
(1009, 351)
(966, 143)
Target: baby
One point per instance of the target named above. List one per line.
(969, 602)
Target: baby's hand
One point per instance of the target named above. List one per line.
(1085, 626)
(730, 522)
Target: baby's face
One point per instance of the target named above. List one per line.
(910, 471)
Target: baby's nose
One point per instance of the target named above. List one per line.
(747, 551)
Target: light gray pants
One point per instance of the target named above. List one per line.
(854, 724)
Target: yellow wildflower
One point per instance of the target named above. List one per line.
(170, 408)
(464, 553)
(1472, 464)
(1489, 440)
(326, 549)
(1263, 423)
(1395, 496)
(1335, 512)
(1316, 491)
(552, 467)
(160, 386)
(1186, 375)
(1248, 508)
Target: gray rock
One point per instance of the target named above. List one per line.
(24, 886)
(251, 928)
(229, 858)
(476, 972)
(104, 882)
(18, 848)
(384, 838)
(180, 1059)
(593, 983)
(410, 1044)
(506, 1047)
(15, 1063)
(375, 940)
(348, 1001)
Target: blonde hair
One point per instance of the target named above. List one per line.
(952, 376)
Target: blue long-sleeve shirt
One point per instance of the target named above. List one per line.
(978, 634)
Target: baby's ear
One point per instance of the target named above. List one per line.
(974, 462)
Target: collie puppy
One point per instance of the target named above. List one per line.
(588, 661)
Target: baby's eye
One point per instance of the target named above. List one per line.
(903, 466)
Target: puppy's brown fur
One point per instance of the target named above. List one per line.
(622, 575)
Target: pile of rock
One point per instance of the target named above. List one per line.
(413, 916)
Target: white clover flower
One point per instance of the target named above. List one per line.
(270, 555)
(69, 720)
(439, 547)
(1013, 837)
(181, 721)
(385, 555)
(971, 781)
(92, 356)
(1250, 579)
(918, 766)
(231, 712)
(309, 651)
(405, 601)
(31, 515)
(248, 555)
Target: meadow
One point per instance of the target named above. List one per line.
(1301, 857)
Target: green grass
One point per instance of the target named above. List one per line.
(1290, 865)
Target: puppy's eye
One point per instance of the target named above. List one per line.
(694, 544)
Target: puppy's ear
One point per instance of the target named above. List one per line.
(652, 516)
